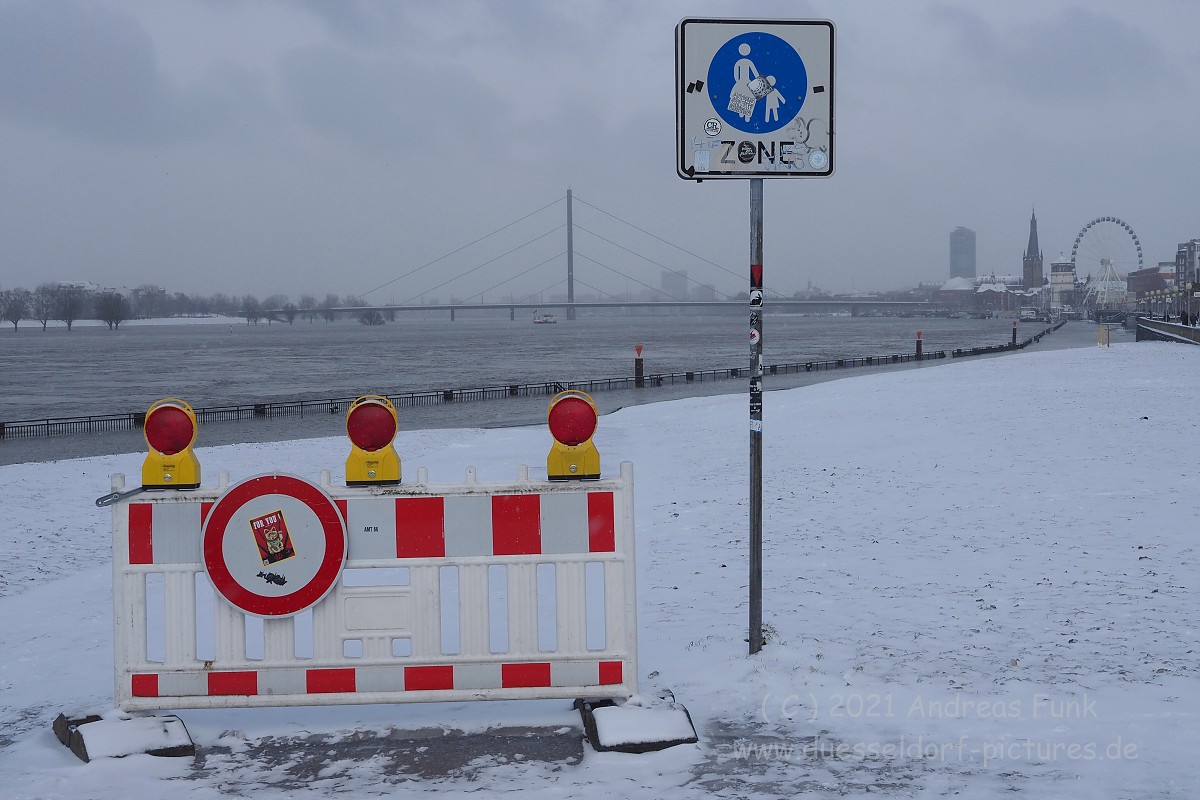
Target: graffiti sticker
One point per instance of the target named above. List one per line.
(272, 537)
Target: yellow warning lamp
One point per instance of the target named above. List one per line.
(170, 431)
(572, 419)
(371, 425)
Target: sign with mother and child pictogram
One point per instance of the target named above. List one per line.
(754, 98)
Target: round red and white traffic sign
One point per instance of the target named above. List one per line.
(274, 545)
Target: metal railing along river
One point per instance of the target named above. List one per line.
(103, 423)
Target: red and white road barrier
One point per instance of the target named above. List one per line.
(279, 591)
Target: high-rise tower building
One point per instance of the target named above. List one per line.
(675, 284)
(962, 253)
(1034, 276)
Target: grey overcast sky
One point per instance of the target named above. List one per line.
(262, 146)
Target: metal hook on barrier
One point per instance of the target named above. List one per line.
(113, 497)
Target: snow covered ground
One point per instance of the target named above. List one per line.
(980, 579)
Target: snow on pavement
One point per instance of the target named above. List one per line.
(979, 578)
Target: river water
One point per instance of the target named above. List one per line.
(92, 370)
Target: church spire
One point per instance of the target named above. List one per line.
(1034, 275)
(1033, 249)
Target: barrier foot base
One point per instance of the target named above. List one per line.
(91, 736)
(637, 726)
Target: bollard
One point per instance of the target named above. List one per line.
(639, 377)
(919, 356)
(1014, 335)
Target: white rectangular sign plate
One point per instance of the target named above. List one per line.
(754, 98)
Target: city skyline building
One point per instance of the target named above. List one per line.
(1187, 262)
(962, 253)
(1062, 282)
(674, 284)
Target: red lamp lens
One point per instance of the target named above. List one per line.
(572, 421)
(169, 429)
(371, 426)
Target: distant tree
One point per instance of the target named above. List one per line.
(353, 301)
(70, 304)
(251, 309)
(200, 305)
(182, 305)
(289, 312)
(113, 308)
(371, 317)
(41, 306)
(222, 303)
(308, 306)
(273, 305)
(327, 307)
(15, 305)
(150, 301)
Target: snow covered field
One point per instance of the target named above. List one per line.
(980, 579)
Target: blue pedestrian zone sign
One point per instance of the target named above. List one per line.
(750, 80)
(754, 98)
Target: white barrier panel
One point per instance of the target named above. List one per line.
(277, 591)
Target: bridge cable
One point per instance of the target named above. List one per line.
(601, 291)
(481, 266)
(518, 275)
(460, 249)
(682, 274)
(659, 238)
(629, 277)
(551, 286)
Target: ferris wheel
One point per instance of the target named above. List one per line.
(1106, 250)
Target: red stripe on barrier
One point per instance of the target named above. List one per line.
(321, 681)
(513, 676)
(610, 673)
(602, 527)
(204, 509)
(421, 527)
(434, 677)
(516, 525)
(341, 504)
(141, 533)
(233, 683)
(144, 685)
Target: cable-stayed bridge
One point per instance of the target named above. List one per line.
(530, 253)
(855, 307)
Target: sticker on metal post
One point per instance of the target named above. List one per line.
(274, 545)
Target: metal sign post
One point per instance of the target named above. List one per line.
(756, 419)
(754, 99)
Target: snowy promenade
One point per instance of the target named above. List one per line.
(982, 579)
